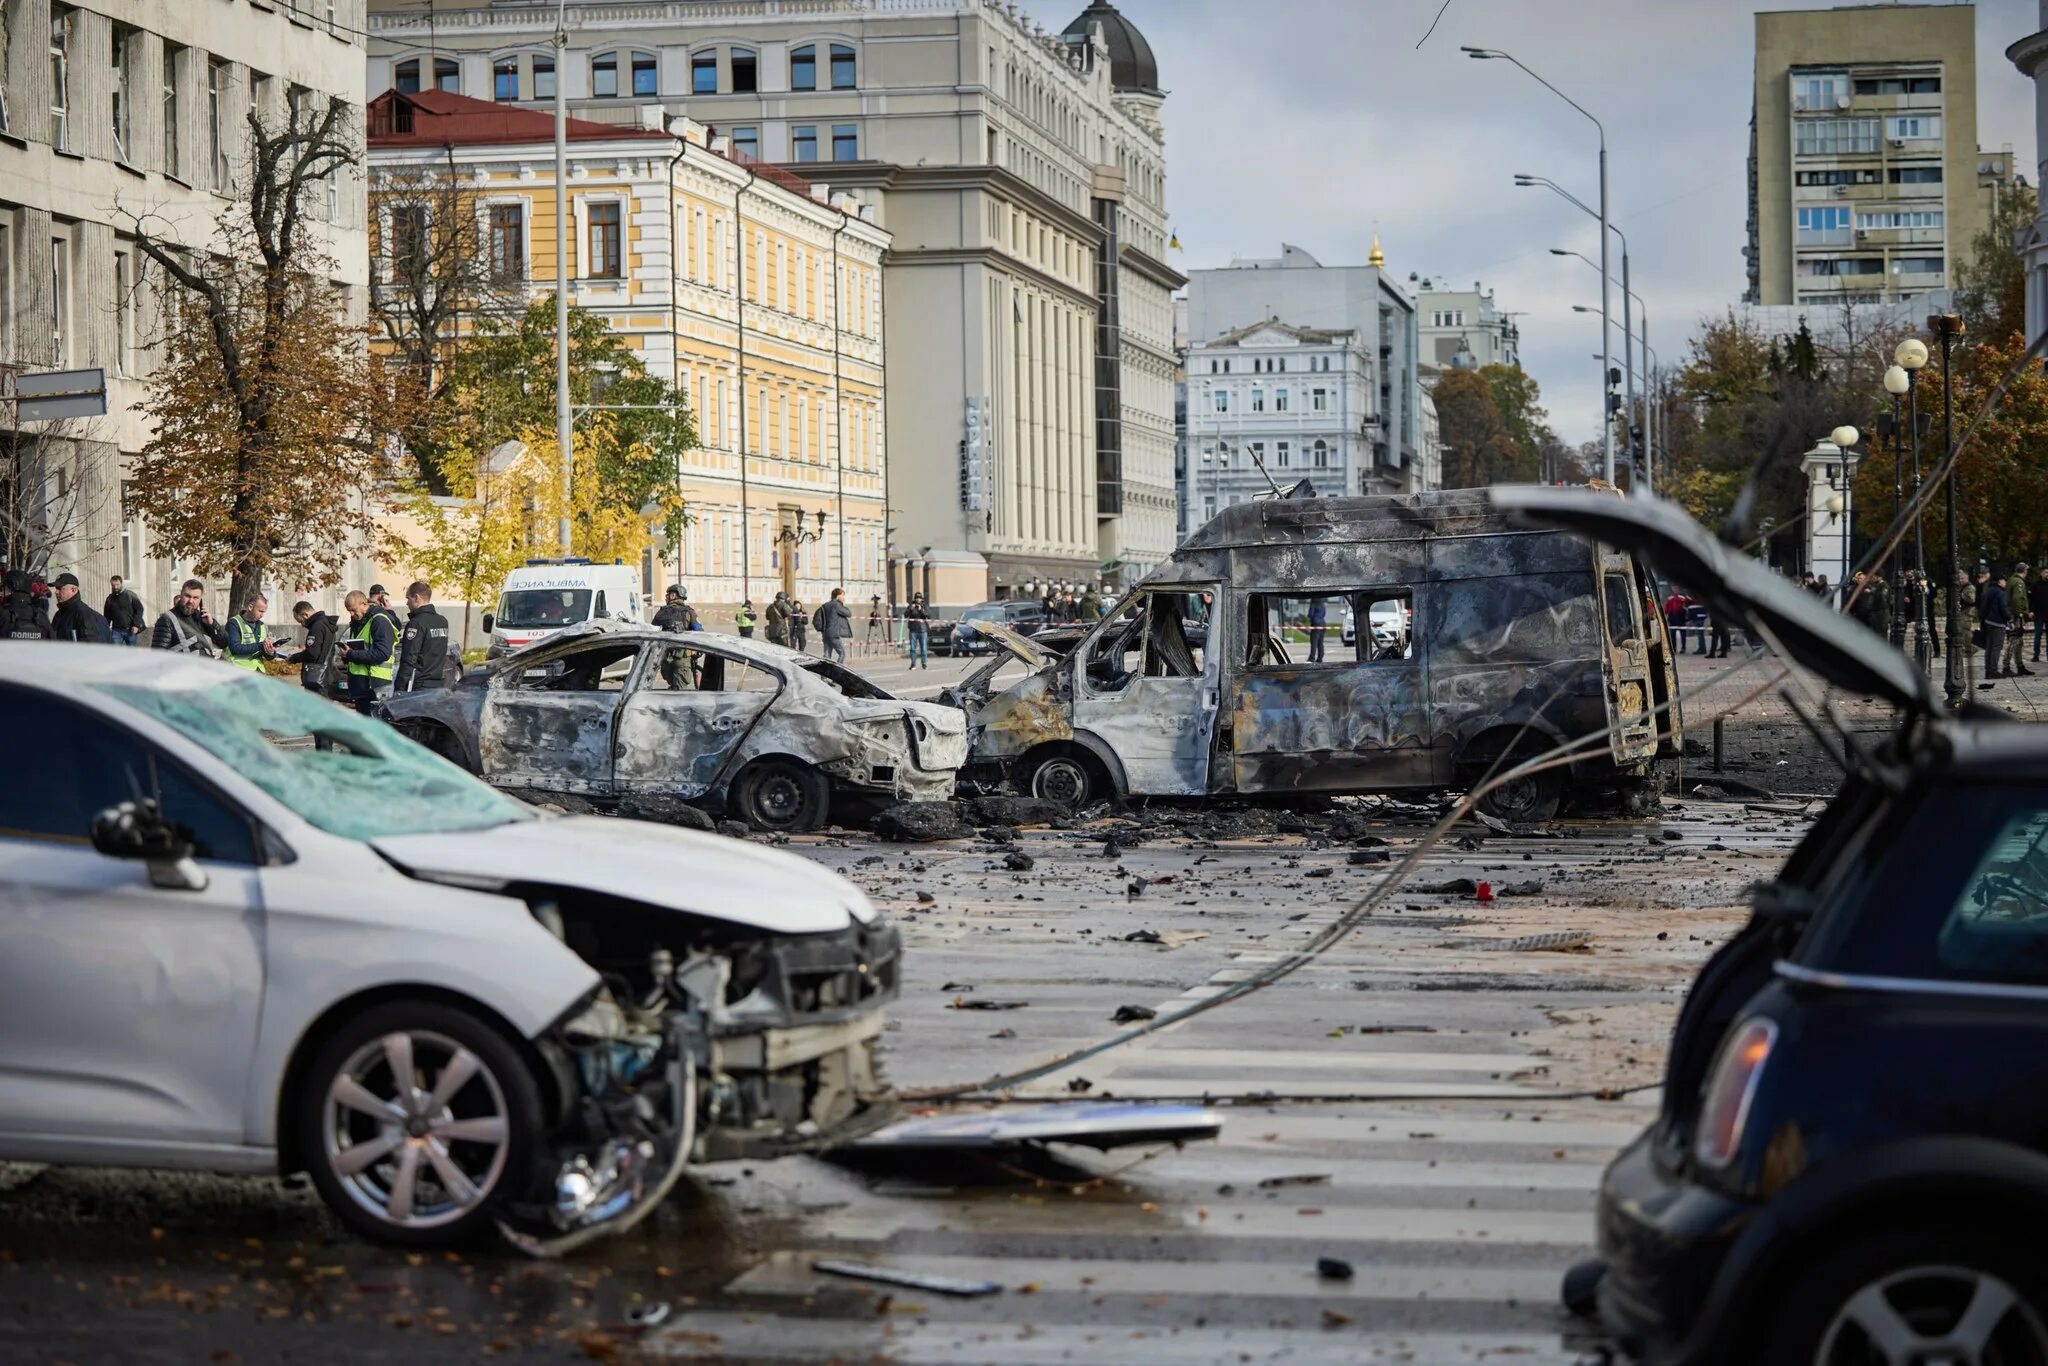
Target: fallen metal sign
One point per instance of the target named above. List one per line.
(1088, 1124)
(915, 1280)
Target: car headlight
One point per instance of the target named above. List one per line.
(1731, 1089)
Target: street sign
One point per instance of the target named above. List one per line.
(55, 394)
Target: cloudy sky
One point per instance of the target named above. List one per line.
(1310, 120)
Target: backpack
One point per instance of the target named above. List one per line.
(818, 618)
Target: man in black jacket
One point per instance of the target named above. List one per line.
(1995, 617)
(125, 614)
(316, 659)
(74, 620)
(22, 614)
(423, 648)
(188, 626)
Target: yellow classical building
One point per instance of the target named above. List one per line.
(756, 294)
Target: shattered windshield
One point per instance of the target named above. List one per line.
(344, 773)
(526, 608)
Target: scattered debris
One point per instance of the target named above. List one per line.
(922, 823)
(1333, 1269)
(1363, 856)
(962, 1003)
(1133, 1014)
(1085, 1123)
(1303, 1179)
(650, 1315)
(1008, 811)
(913, 1280)
(1018, 862)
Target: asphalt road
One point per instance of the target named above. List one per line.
(1457, 1194)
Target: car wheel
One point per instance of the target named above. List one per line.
(1524, 800)
(782, 795)
(417, 1121)
(1917, 1297)
(1064, 779)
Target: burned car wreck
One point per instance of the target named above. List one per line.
(610, 711)
(1224, 671)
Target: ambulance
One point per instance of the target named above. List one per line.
(543, 596)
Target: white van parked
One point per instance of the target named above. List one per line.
(543, 596)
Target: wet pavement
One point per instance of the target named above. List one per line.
(1397, 1105)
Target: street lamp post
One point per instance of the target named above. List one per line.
(1910, 355)
(1606, 358)
(1949, 326)
(1629, 340)
(565, 441)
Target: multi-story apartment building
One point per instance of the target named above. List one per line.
(110, 109)
(1300, 292)
(1462, 328)
(758, 300)
(1274, 403)
(1863, 167)
(1022, 176)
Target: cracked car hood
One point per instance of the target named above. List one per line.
(658, 865)
(1007, 637)
(1731, 584)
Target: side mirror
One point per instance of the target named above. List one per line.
(489, 620)
(138, 830)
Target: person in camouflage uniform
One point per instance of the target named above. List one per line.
(2022, 613)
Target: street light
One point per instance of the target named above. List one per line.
(1907, 358)
(1949, 326)
(1628, 343)
(1526, 181)
(1485, 54)
(565, 441)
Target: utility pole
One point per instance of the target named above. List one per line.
(564, 435)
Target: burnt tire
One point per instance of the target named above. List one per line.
(426, 1159)
(782, 795)
(1066, 778)
(1928, 1294)
(1525, 800)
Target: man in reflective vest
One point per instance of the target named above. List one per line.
(248, 639)
(368, 653)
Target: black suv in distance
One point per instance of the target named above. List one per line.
(1850, 1164)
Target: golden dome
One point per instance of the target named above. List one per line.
(1376, 258)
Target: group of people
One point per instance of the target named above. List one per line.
(361, 663)
(788, 624)
(1062, 605)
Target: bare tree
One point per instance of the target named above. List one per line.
(273, 422)
(54, 498)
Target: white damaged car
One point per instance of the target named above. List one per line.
(249, 931)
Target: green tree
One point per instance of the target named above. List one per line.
(1493, 426)
(1991, 281)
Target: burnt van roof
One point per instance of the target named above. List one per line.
(1294, 522)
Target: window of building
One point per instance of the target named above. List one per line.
(704, 72)
(1281, 455)
(1258, 400)
(1866, 175)
(1319, 454)
(1319, 400)
(842, 67)
(746, 70)
(1842, 265)
(1918, 265)
(604, 76)
(1226, 365)
(409, 242)
(1906, 127)
(803, 142)
(124, 312)
(170, 105)
(803, 68)
(124, 38)
(216, 143)
(1899, 85)
(60, 298)
(1824, 223)
(1213, 367)
(1257, 451)
(605, 259)
(505, 78)
(1222, 400)
(845, 142)
(543, 77)
(508, 242)
(6, 284)
(1900, 218)
(447, 75)
(1279, 400)
(1914, 175)
(746, 142)
(60, 73)
(405, 77)
(1834, 137)
(1819, 90)
(646, 74)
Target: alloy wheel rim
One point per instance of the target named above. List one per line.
(1954, 1315)
(416, 1129)
(778, 799)
(1060, 781)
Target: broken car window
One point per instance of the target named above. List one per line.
(528, 608)
(598, 668)
(1290, 629)
(1621, 615)
(683, 668)
(1113, 657)
(363, 780)
(1999, 925)
(1176, 629)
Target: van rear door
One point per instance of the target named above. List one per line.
(1631, 710)
(1145, 684)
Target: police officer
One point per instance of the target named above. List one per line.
(676, 614)
(22, 615)
(743, 619)
(423, 648)
(249, 642)
(368, 650)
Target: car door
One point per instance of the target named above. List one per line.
(128, 1012)
(686, 716)
(1630, 697)
(1147, 691)
(551, 723)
